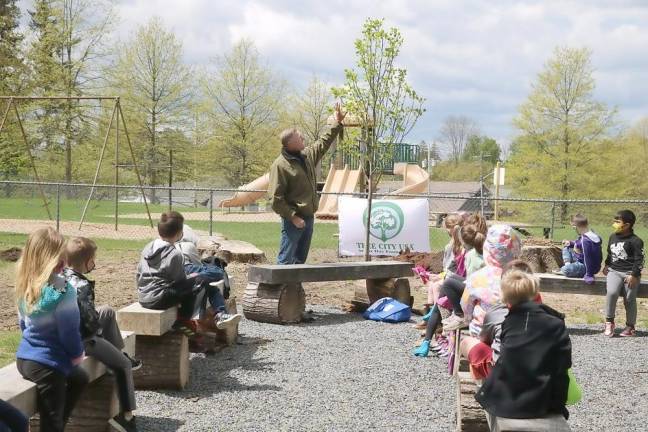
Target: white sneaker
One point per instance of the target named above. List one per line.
(456, 323)
(450, 319)
(227, 320)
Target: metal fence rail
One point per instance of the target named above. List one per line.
(119, 211)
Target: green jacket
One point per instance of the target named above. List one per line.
(293, 186)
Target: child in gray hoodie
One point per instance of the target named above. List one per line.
(162, 282)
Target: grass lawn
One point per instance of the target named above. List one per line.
(8, 345)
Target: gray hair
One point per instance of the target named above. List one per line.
(286, 135)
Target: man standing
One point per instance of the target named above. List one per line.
(293, 188)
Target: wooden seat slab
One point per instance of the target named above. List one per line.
(554, 423)
(561, 284)
(146, 322)
(21, 393)
(281, 274)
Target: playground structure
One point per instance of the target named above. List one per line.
(337, 181)
(415, 179)
(248, 193)
(116, 118)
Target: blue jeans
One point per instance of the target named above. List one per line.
(573, 267)
(295, 242)
(206, 274)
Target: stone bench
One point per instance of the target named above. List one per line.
(275, 294)
(164, 353)
(553, 283)
(98, 404)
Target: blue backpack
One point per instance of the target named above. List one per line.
(388, 310)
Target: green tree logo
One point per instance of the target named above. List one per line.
(387, 220)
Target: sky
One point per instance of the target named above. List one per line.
(476, 58)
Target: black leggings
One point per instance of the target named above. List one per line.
(452, 288)
(57, 394)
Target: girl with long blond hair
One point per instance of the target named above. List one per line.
(51, 348)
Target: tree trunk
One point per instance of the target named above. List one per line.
(368, 227)
(279, 304)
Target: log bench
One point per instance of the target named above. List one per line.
(553, 283)
(98, 404)
(274, 293)
(164, 353)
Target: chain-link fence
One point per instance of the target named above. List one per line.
(129, 213)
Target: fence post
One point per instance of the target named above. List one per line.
(58, 207)
(553, 219)
(211, 212)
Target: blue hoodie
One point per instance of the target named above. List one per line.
(50, 330)
(589, 251)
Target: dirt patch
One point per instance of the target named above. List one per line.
(11, 254)
(432, 262)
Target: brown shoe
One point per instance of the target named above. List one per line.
(420, 325)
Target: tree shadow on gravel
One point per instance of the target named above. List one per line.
(158, 424)
(579, 331)
(326, 319)
(211, 374)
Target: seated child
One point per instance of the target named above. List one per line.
(483, 352)
(623, 265)
(582, 256)
(51, 348)
(473, 242)
(452, 252)
(99, 330)
(530, 379)
(482, 290)
(163, 283)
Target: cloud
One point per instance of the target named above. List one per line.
(474, 57)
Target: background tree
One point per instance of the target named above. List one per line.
(243, 97)
(378, 96)
(455, 133)
(481, 146)
(13, 158)
(560, 126)
(65, 55)
(154, 84)
(309, 112)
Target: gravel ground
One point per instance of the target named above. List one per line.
(342, 373)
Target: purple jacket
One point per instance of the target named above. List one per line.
(588, 250)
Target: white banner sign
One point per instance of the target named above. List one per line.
(396, 225)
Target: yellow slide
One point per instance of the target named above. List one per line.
(415, 179)
(242, 197)
(345, 181)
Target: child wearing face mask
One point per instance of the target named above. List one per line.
(623, 265)
(99, 330)
(582, 256)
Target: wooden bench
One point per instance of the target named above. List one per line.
(275, 294)
(553, 283)
(98, 404)
(164, 353)
(553, 423)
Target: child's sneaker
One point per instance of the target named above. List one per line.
(120, 423)
(558, 272)
(225, 320)
(609, 329)
(186, 326)
(454, 323)
(629, 331)
(135, 363)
